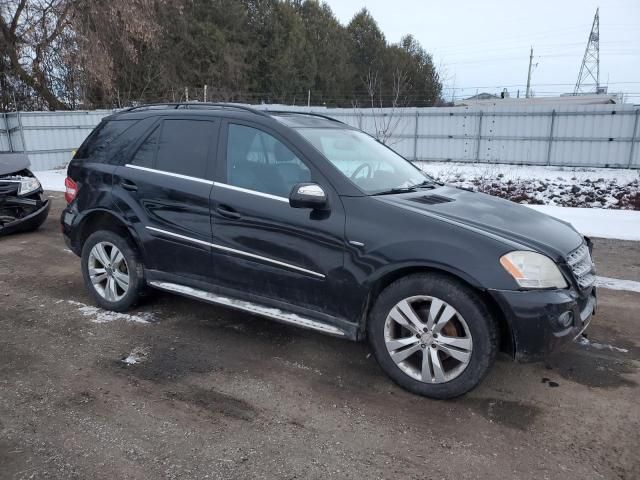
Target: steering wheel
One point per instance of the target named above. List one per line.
(360, 168)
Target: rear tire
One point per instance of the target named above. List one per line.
(112, 271)
(433, 335)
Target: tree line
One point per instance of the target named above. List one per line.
(68, 54)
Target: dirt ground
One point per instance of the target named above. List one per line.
(222, 394)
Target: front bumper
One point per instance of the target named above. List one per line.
(28, 222)
(534, 318)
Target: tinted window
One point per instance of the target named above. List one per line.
(184, 147)
(102, 135)
(259, 161)
(145, 155)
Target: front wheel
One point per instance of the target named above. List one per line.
(433, 335)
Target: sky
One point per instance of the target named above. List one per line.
(484, 45)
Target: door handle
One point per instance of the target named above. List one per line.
(129, 185)
(228, 212)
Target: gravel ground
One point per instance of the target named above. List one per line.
(212, 393)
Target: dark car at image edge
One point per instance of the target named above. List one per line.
(308, 221)
(23, 206)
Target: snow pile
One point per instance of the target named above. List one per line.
(597, 222)
(98, 315)
(555, 186)
(52, 180)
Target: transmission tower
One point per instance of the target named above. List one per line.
(589, 76)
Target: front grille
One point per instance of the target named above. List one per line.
(582, 267)
(9, 188)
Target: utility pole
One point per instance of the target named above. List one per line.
(590, 68)
(205, 93)
(308, 99)
(528, 94)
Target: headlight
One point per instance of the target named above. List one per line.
(533, 270)
(28, 185)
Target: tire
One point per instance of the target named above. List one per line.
(467, 344)
(112, 296)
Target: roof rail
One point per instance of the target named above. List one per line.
(293, 112)
(188, 105)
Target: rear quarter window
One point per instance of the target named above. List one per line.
(96, 144)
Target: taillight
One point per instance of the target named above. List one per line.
(71, 189)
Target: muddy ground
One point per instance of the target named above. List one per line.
(222, 394)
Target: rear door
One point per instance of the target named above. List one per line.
(261, 245)
(164, 190)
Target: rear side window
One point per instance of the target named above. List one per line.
(184, 146)
(97, 142)
(146, 153)
(177, 146)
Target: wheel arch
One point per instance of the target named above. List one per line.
(102, 219)
(507, 342)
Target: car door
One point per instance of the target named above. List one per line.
(164, 191)
(263, 246)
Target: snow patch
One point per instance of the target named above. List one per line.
(52, 180)
(138, 355)
(618, 284)
(585, 342)
(98, 315)
(298, 365)
(597, 222)
(543, 185)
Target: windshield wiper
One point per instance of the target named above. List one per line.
(391, 191)
(426, 184)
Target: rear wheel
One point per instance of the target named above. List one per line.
(433, 335)
(112, 271)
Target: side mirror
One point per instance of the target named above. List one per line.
(308, 195)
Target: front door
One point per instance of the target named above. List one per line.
(164, 192)
(261, 245)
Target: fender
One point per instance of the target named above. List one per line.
(83, 217)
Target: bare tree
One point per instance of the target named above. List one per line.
(386, 110)
(66, 51)
(30, 33)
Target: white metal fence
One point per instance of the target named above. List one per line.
(580, 136)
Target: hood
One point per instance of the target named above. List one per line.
(13, 162)
(494, 216)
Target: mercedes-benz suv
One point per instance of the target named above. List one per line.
(308, 221)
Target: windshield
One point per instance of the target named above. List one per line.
(365, 161)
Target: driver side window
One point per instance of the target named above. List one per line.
(258, 161)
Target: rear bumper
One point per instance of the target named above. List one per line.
(534, 318)
(69, 223)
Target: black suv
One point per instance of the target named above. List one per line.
(308, 221)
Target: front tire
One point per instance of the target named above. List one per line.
(433, 335)
(112, 271)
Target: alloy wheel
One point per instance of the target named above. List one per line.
(428, 339)
(108, 271)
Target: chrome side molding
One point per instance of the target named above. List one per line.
(170, 174)
(234, 251)
(250, 192)
(269, 312)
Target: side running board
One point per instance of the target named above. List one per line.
(256, 308)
